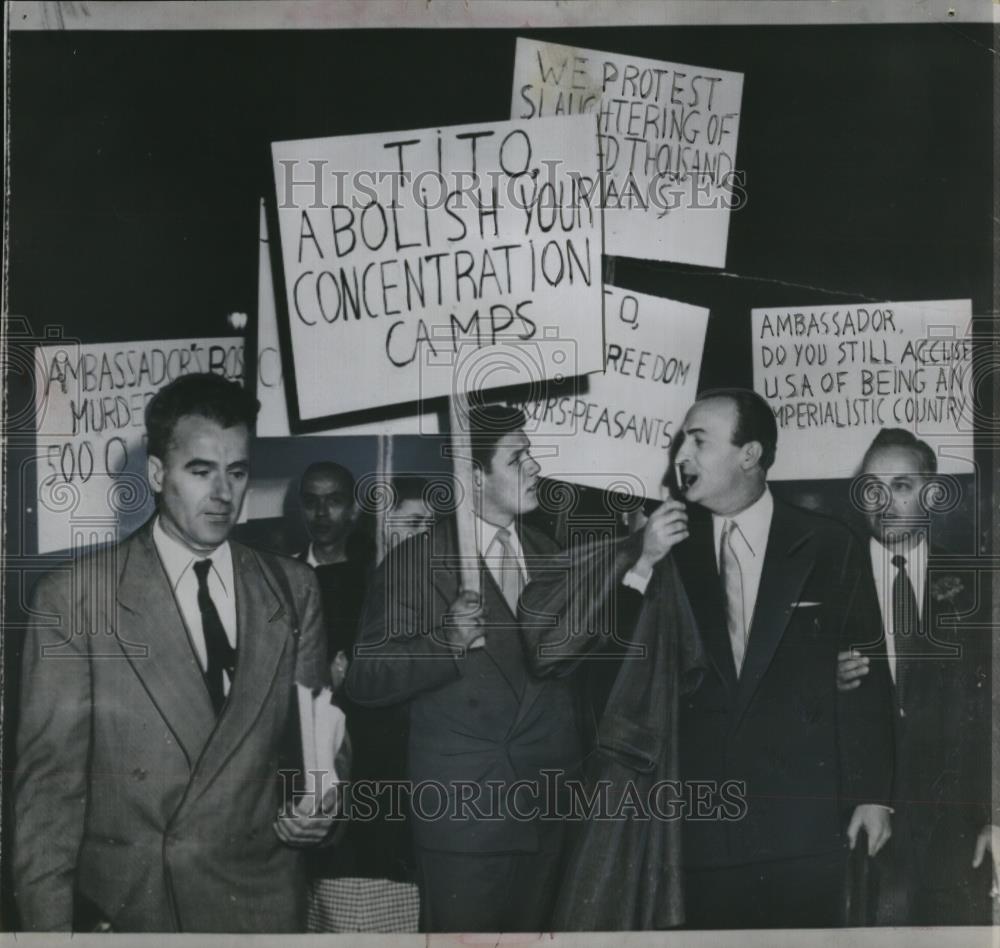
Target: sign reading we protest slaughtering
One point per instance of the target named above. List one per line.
(617, 434)
(410, 256)
(90, 403)
(668, 136)
(836, 375)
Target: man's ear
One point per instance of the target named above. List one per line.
(752, 452)
(154, 473)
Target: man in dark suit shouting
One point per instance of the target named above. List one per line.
(776, 591)
(157, 698)
(481, 727)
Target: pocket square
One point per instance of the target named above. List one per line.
(804, 605)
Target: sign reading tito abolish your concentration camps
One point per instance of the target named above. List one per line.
(410, 258)
(90, 402)
(668, 136)
(617, 434)
(835, 375)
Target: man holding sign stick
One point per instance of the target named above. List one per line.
(482, 729)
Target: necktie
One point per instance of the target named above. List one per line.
(511, 580)
(732, 584)
(221, 656)
(905, 626)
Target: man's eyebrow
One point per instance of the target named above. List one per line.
(199, 462)
(694, 431)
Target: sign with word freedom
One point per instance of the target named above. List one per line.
(89, 427)
(847, 371)
(272, 422)
(617, 434)
(420, 263)
(668, 136)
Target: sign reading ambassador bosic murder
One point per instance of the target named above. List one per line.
(668, 134)
(835, 375)
(90, 403)
(409, 258)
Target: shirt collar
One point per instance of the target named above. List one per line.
(487, 533)
(177, 558)
(311, 557)
(754, 523)
(916, 555)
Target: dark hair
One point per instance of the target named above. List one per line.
(329, 469)
(202, 394)
(754, 420)
(410, 487)
(901, 438)
(487, 425)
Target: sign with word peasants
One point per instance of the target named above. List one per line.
(617, 434)
(90, 426)
(668, 136)
(835, 375)
(411, 259)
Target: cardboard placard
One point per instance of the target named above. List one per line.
(668, 136)
(419, 263)
(835, 375)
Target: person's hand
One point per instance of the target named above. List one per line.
(989, 839)
(338, 671)
(852, 666)
(875, 821)
(666, 527)
(463, 624)
(306, 826)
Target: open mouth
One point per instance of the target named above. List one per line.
(686, 479)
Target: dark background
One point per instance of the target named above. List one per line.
(137, 160)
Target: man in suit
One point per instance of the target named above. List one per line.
(940, 674)
(158, 697)
(479, 723)
(776, 592)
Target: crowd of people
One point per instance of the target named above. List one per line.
(693, 723)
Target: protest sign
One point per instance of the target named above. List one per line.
(668, 136)
(272, 422)
(835, 375)
(617, 434)
(426, 262)
(89, 427)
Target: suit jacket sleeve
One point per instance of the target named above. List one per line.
(401, 649)
(53, 747)
(864, 715)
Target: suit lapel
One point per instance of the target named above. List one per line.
(499, 640)
(788, 561)
(263, 625)
(166, 664)
(696, 562)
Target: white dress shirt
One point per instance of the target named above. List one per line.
(884, 573)
(492, 553)
(178, 561)
(749, 543)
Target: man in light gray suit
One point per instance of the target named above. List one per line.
(158, 696)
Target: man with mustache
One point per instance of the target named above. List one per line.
(158, 699)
